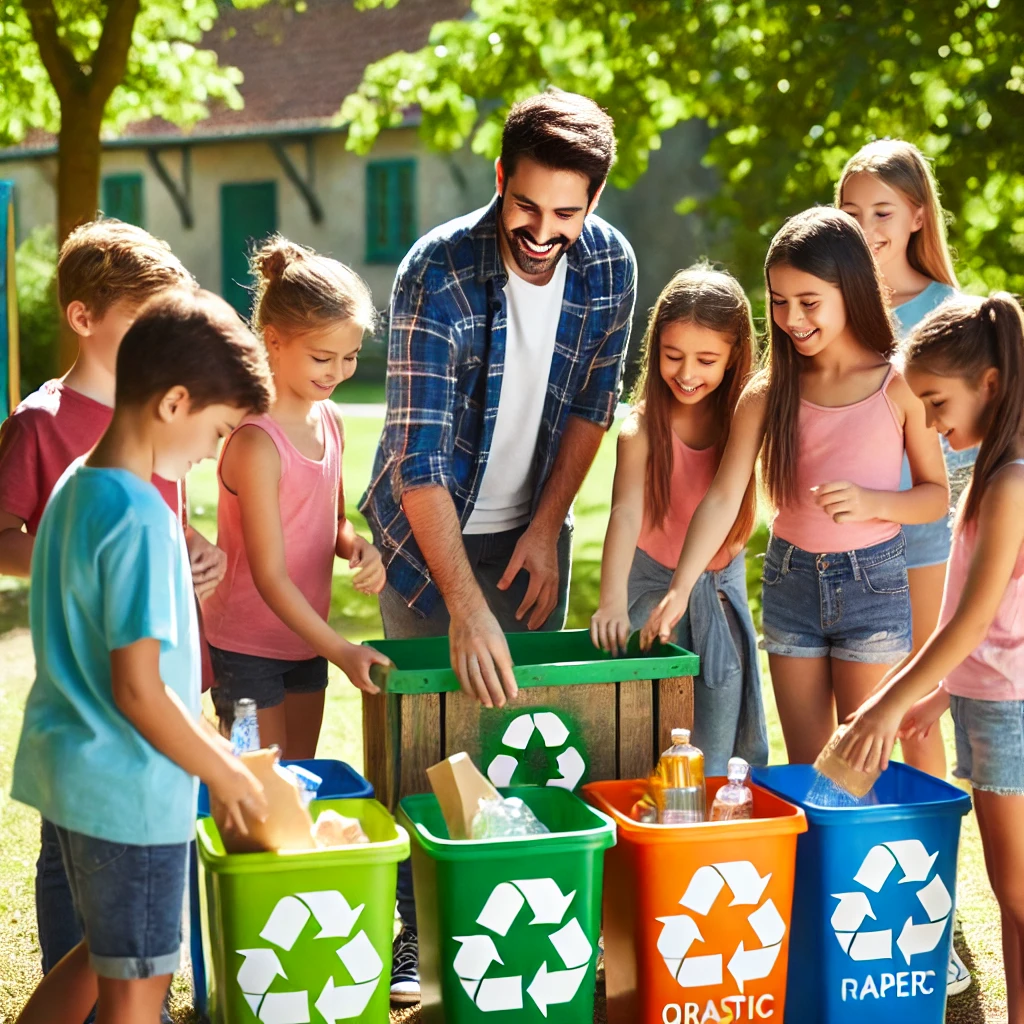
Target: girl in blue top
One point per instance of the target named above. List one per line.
(889, 188)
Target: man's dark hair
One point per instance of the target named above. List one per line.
(192, 339)
(563, 131)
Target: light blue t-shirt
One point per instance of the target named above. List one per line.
(911, 313)
(109, 567)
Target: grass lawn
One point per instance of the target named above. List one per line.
(359, 619)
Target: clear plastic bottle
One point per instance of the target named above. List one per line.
(678, 782)
(734, 801)
(245, 731)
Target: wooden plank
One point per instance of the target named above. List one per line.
(420, 741)
(636, 733)
(401, 740)
(592, 707)
(675, 709)
(376, 755)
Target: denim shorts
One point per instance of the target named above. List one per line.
(989, 743)
(264, 680)
(128, 900)
(849, 605)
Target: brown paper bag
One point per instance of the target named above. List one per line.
(834, 767)
(288, 825)
(459, 788)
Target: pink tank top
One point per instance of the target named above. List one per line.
(862, 443)
(994, 670)
(693, 469)
(236, 616)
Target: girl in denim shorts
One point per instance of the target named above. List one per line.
(281, 509)
(889, 189)
(831, 419)
(966, 363)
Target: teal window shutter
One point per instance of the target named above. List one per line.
(391, 225)
(122, 198)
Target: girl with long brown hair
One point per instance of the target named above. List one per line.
(830, 418)
(697, 355)
(888, 187)
(965, 362)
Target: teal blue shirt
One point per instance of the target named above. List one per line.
(109, 568)
(913, 312)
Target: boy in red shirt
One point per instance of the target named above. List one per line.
(105, 272)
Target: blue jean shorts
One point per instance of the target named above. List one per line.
(128, 900)
(989, 743)
(264, 680)
(849, 605)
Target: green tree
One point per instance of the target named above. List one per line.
(82, 67)
(792, 89)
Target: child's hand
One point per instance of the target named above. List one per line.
(355, 661)
(845, 502)
(868, 742)
(208, 564)
(664, 618)
(239, 792)
(371, 577)
(918, 721)
(609, 630)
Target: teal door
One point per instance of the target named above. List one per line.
(248, 215)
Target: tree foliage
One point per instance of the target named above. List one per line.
(792, 89)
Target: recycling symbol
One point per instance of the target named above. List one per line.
(915, 863)
(680, 931)
(260, 965)
(554, 733)
(472, 963)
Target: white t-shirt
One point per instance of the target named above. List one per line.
(507, 487)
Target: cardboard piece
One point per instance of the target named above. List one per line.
(288, 825)
(459, 788)
(830, 764)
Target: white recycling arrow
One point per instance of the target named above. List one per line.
(768, 924)
(935, 899)
(332, 912)
(752, 964)
(914, 860)
(258, 971)
(867, 945)
(920, 938)
(344, 1001)
(550, 987)
(361, 960)
(286, 922)
(545, 899)
(852, 909)
(746, 884)
(703, 890)
(877, 865)
(475, 955)
(501, 770)
(285, 1008)
(551, 728)
(679, 933)
(501, 908)
(517, 734)
(572, 945)
(571, 767)
(497, 993)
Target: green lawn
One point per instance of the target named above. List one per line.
(359, 619)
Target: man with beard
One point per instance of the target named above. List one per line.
(508, 333)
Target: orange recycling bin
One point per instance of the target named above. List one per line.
(697, 917)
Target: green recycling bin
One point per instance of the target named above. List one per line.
(303, 936)
(508, 928)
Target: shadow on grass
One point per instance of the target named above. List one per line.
(966, 1008)
(13, 607)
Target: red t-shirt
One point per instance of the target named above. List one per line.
(43, 436)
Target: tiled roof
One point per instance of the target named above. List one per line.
(298, 67)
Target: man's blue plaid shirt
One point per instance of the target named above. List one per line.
(445, 361)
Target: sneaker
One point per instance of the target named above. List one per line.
(958, 978)
(405, 968)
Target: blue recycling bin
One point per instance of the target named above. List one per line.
(340, 781)
(874, 899)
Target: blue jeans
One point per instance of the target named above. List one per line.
(989, 743)
(489, 555)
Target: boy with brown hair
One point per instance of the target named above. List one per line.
(106, 270)
(112, 734)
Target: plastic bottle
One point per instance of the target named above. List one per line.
(734, 801)
(245, 731)
(678, 782)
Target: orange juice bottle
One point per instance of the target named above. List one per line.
(677, 784)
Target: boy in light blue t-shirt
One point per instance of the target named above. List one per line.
(112, 735)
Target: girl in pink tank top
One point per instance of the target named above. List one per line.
(281, 511)
(696, 358)
(830, 420)
(966, 363)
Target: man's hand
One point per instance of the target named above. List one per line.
(610, 630)
(537, 553)
(207, 561)
(481, 659)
